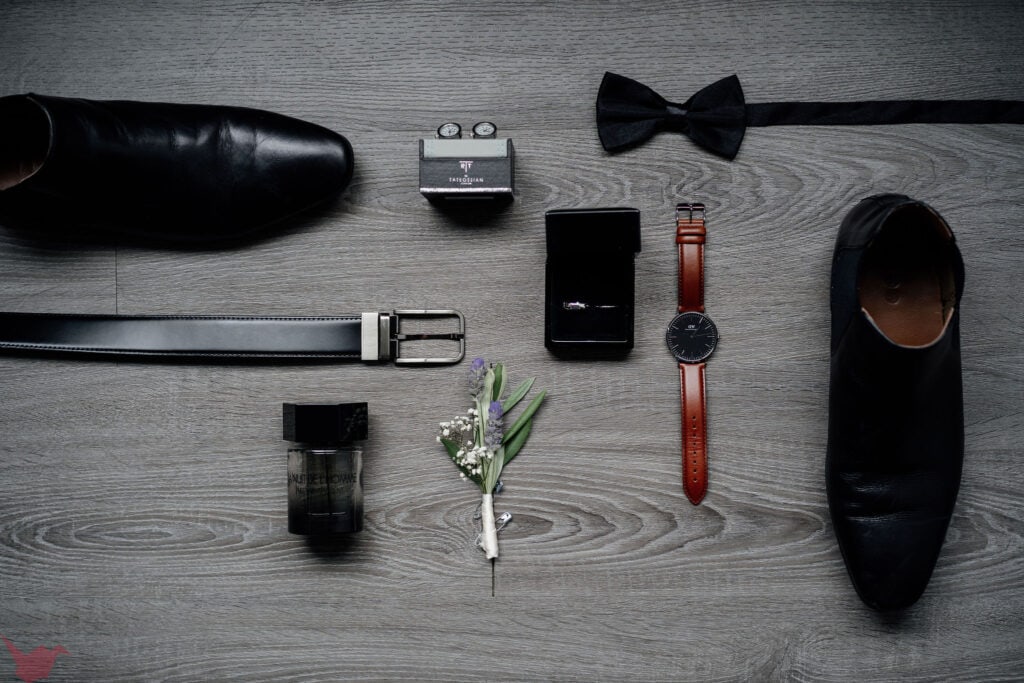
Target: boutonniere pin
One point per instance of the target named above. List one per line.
(482, 442)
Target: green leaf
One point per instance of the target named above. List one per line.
(485, 395)
(524, 417)
(499, 382)
(512, 447)
(451, 447)
(516, 396)
(493, 471)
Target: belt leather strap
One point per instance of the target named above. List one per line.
(690, 236)
(370, 337)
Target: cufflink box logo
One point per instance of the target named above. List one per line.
(35, 665)
(465, 178)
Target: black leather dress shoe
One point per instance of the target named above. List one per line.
(896, 426)
(178, 172)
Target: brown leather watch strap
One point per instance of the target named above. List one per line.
(690, 235)
(694, 433)
(690, 238)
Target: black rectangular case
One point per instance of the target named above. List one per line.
(589, 281)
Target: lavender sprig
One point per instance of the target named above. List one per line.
(477, 372)
(495, 428)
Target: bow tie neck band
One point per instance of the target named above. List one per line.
(716, 117)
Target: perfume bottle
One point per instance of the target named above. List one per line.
(325, 467)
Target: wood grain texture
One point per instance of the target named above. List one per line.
(142, 507)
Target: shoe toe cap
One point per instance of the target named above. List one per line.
(890, 556)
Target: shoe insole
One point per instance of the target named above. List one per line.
(901, 285)
(24, 139)
(14, 171)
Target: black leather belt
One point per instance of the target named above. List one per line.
(369, 337)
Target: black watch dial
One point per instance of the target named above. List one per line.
(691, 337)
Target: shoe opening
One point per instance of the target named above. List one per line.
(24, 140)
(907, 284)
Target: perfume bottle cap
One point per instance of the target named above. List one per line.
(325, 422)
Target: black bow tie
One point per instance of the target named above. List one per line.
(629, 113)
(716, 117)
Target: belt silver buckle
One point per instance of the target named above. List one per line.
(397, 336)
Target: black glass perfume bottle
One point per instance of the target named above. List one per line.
(325, 467)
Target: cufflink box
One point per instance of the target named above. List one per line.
(464, 169)
(589, 281)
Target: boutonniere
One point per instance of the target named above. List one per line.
(484, 441)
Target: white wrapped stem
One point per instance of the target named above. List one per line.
(489, 535)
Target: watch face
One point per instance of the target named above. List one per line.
(484, 129)
(691, 337)
(450, 130)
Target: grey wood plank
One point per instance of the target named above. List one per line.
(54, 274)
(142, 507)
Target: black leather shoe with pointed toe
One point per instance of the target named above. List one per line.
(896, 426)
(177, 172)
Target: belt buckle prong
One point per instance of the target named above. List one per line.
(397, 336)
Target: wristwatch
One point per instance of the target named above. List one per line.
(692, 338)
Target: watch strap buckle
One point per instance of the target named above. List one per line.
(690, 223)
(690, 211)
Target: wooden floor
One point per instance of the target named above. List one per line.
(143, 506)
